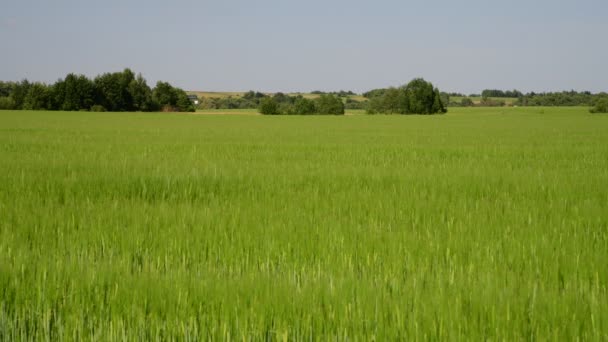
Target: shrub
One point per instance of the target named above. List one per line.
(329, 104)
(97, 108)
(38, 97)
(601, 106)
(268, 106)
(7, 102)
(304, 106)
(466, 102)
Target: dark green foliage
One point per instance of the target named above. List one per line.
(304, 106)
(141, 95)
(341, 93)
(374, 93)
(118, 91)
(601, 105)
(38, 97)
(171, 99)
(501, 93)
(19, 92)
(389, 101)
(289, 105)
(286, 109)
(283, 98)
(445, 98)
(183, 102)
(97, 108)
(7, 102)
(565, 98)
(228, 103)
(269, 106)
(74, 93)
(417, 97)
(253, 96)
(422, 98)
(164, 94)
(6, 88)
(329, 104)
(113, 91)
(456, 94)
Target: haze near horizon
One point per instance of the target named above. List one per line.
(289, 46)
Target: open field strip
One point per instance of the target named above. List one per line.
(222, 95)
(478, 224)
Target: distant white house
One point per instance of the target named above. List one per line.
(193, 98)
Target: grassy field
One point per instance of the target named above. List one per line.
(482, 224)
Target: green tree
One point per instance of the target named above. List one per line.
(165, 95)
(303, 106)
(141, 95)
(417, 97)
(38, 97)
(19, 92)
(601, 105)
(423, 98)
(75, 92)
(170, 98)
(269, 106)
(113, 91)
(7, 102)
(183, 102)
(329, 104)
(6, 88)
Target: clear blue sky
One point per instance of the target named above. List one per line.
(284, 45)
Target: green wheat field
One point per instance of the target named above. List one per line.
(481, 224)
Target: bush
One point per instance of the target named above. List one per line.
(38, 97)
(97, 108)
(7, 102)
(601, 106)
(304, 106)
(268, 106)
(466, 102)
(329, 104)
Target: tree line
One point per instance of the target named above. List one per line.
(282, 104)
(501, 93)
(126, 91)
(118, 92)
(548, 99)
(252, 99)
(564, 98)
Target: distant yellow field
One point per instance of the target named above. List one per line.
(477, 99)
(225, 94)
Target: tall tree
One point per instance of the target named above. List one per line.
(19, 92)
(113, 91)
(75, 92)
(38, 97)
(329, 104)
(141, 95)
